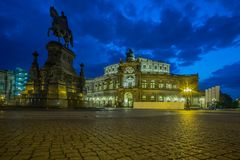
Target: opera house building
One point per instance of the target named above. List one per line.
(139, 81)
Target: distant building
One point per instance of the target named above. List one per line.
(21, 77)
(212, 96)
(7, 84)
(141, 80)
(12, 83)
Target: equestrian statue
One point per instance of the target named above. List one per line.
(60, 27)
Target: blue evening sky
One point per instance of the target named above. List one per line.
(200, 36)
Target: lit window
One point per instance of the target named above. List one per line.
(161, 85)
(144, 84)
(144, 97)
(168, 99)
(169, 86)
(152, 98)
(152, 84)
(160, 98)
(129, 82)
(174, 86)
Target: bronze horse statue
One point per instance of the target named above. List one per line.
(60, 27)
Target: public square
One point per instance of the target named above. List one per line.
(119, 134)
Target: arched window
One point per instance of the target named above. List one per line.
(152, 98)
(160, 98)
(129, 81)
(144, 97)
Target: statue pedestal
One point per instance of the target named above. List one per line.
(59, 77)
(58, 83)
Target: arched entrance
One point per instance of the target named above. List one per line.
(128, 99)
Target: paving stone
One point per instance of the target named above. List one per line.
(120, 135)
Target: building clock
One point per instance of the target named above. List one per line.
(129, 70)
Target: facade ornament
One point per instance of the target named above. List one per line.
(130, 55)
(81, 78)
(34, 75)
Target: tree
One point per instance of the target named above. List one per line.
(235, 104)
(226, 100)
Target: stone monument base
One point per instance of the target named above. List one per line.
(57, 84)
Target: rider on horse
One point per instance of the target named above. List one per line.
(60, 27)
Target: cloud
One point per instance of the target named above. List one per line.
(175, 28)
(227, 77)
(103, 29)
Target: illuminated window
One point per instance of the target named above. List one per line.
(144, 97)
(160, 98)
(168, 99)
(174, 86)
(152, 98)
(152, 84)
(161, 85)
(169, 86)
(129, 81)
(144, 84)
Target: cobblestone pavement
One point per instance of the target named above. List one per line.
(120, 134)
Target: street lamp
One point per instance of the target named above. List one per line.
(187, 91)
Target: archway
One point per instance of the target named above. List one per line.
(128, 99)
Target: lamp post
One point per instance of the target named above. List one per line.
(2, 100)
(214, 103)
(187, 91)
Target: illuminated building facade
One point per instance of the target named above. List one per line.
(140, 80)
(7, 85)
(21, 77)
(12, 83)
